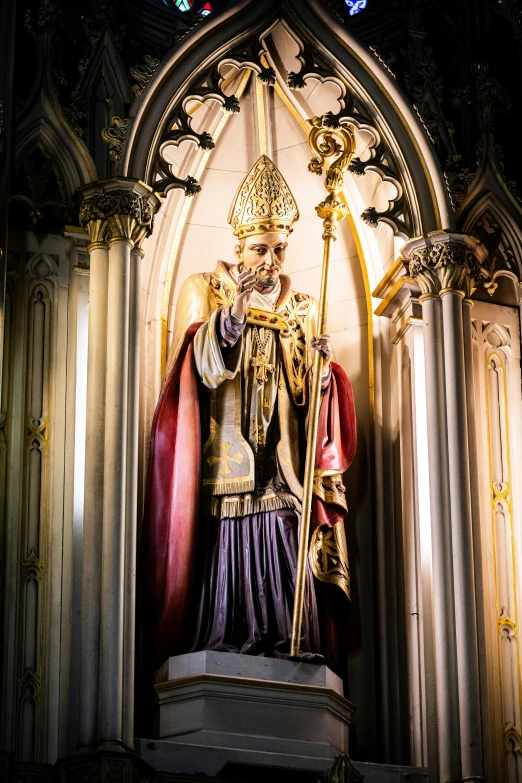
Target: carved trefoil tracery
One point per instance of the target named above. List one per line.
(375, 159)
(209, 86)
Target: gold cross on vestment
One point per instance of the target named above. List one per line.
(225, 458)
(263, 367)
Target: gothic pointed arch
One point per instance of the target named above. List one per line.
(51, 161)
(105, 86)
(399, 154)
(42, 121)
(492, 212)
(490, 220)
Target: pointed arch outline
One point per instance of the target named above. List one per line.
(396, 121)
(487, 204)
(42, 122)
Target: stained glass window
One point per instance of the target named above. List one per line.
(204, 9)
(355, 6)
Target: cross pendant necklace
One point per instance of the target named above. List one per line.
(260, 361)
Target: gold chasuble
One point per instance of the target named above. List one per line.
(229, 455)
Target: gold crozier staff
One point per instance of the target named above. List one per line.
(324, 143)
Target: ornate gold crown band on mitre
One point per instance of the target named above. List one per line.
(263, 202)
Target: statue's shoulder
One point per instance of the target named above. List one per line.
(197, 283)
(216, 287)
(301, 305)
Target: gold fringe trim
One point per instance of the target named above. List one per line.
(224, 487)
(243, 505)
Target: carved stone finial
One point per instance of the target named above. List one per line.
(143, 73)
(444, 260)
(115, 135)
(117, 213)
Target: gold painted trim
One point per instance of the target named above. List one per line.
(495, 496)
(458, 291)
(399, 334)
(394, 290)
(75, 230)
(369, 314)
(389, 275)
(127, 241)
(95, 245)
(291, 108)
(422, 297)
(261, 118)
(269, 320)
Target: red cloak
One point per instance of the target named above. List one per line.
(173, 488)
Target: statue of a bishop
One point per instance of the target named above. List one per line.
(227, 453)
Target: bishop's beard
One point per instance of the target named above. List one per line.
(265, 282)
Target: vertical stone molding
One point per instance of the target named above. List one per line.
(399, 303)
(446, 266)
(93, 499)
(118, 215)
(443, 588)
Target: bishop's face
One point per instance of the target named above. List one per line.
(264, 254)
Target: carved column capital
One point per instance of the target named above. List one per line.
(118, 209)
(444, 260)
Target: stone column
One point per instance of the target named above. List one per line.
(118, 215)
(93, 504)
(131, 495)
(443, 596)
(446, 266)
(114, 493)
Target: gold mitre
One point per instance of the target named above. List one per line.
(263, 202)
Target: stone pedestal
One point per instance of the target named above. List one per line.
(216, 708)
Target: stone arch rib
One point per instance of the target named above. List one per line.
(236, 36)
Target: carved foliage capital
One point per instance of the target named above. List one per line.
(117, 214)
(437, 265)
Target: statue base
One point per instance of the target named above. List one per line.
(215, 709)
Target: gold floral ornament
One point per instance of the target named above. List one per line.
(263, 202)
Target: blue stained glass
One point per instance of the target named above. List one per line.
(355, 6)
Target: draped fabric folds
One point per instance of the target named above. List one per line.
(172, 512)
(244, 593)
